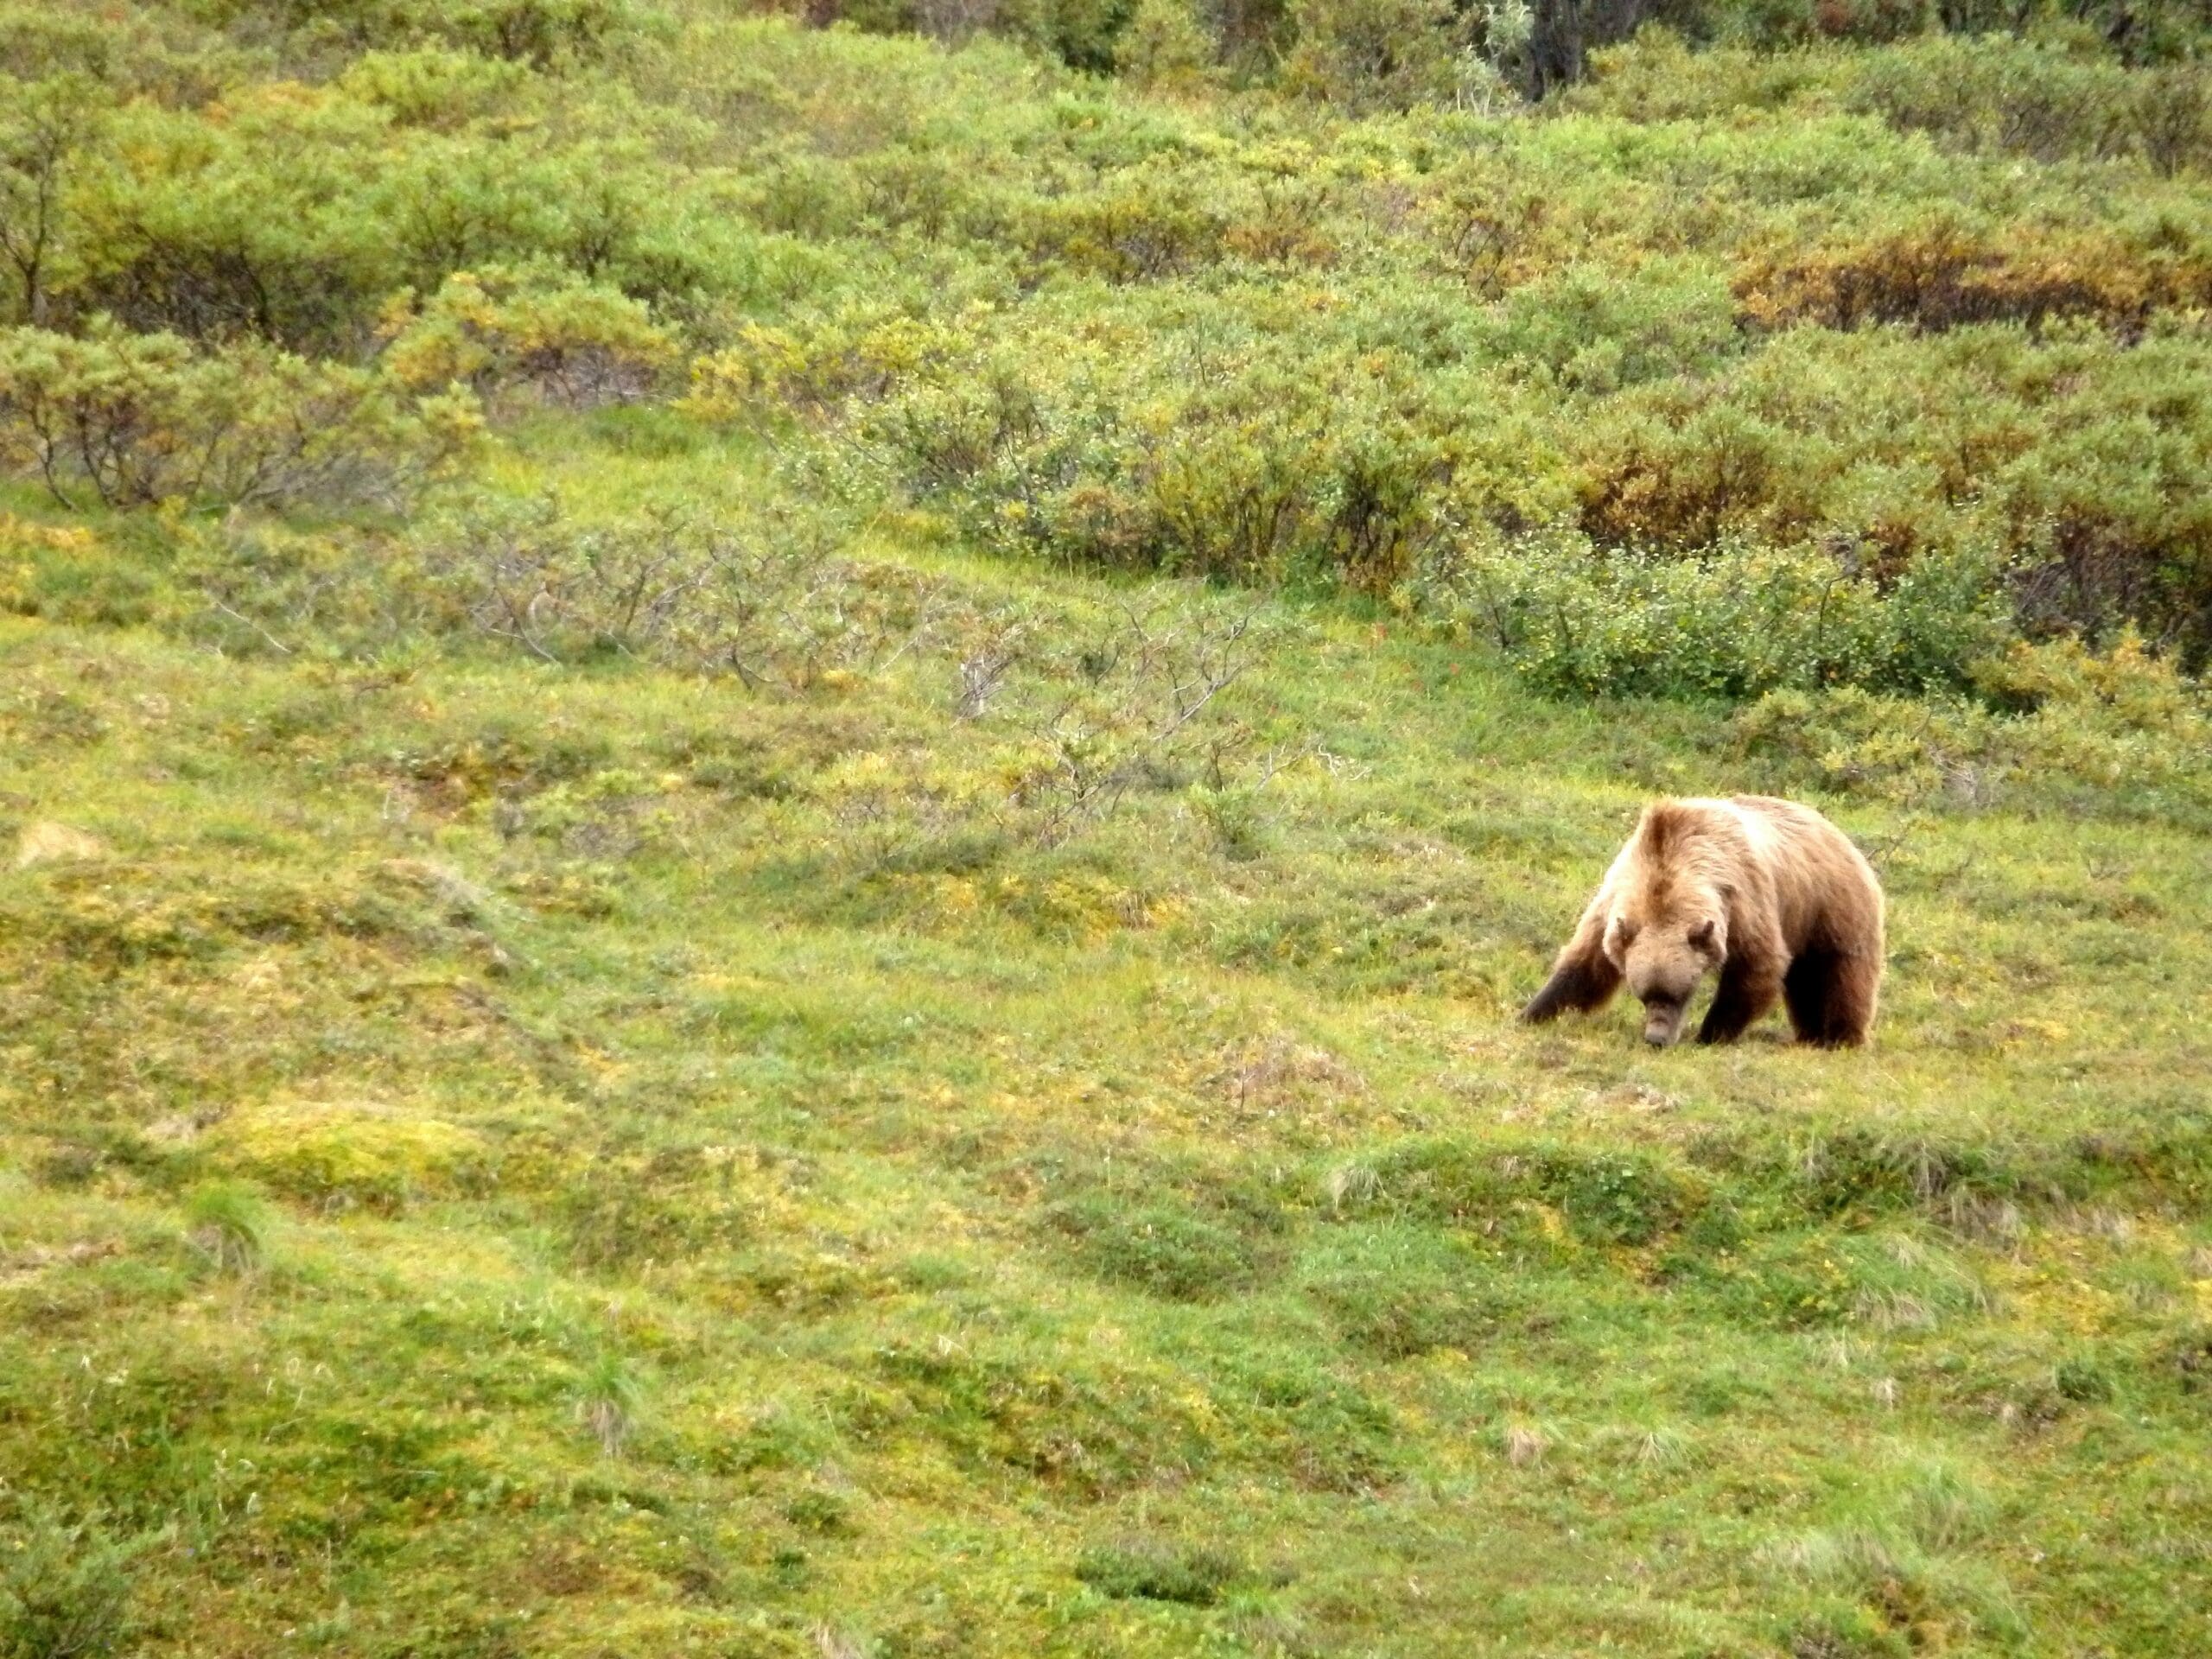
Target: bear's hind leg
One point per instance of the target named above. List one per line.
(1853, 983)
(1805, 993)
(1831, 998)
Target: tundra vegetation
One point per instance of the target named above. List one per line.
(775, 786)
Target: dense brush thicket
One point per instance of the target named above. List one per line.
(1394, 53)
(1726, 371)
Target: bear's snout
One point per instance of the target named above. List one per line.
(1662, 1023)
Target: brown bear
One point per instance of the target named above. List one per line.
(1768, 893)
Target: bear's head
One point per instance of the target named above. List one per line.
(1662, 956)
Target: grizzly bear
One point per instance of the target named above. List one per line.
(1768, 893)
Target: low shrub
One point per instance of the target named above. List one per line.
(1943, 273)
(766, 602)
(1219, 452)
(812, 369)
(65, 1586)
(2120, 732)
(1737, 621)
(2066, 458)
(1988, 93)
(134, 419)
(1156, 1569)
(1371, 55)
(574, 343)
(539, 32)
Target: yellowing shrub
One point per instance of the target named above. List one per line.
(137, 418)
(1942, 273)
(575, 342)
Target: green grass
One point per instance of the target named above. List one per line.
(502, 1158)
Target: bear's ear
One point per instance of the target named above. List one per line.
(1704, 936)
(1625, 928)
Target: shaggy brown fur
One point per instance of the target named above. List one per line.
(1768, 893)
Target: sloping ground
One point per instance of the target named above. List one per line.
(502, 1158)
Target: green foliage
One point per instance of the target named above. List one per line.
(1369, 54)
(229, 1225)
(65, 1586)
(577, 343)
(1331, 347)
(1737, 622)
(1165, 45)
(543, 33)
(134, 419)
(49, 122)
(2044, 98)
(2056, 724)
(1156, 1569)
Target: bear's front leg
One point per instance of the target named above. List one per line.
(1747, 989)
(1585, 977)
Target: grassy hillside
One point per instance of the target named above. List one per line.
(515, 1158)
(776, 801)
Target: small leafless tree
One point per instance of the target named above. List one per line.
(1126, 706)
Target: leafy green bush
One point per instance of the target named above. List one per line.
(1222, 453)
(65, 1586)
(133, 419)
(813, 370)
(175, 212)
(577, 343)
(1804, 346)
(540, 31)
(1367, 54)
(1990, 92)
(2056, 723)
(45, 126)
(434, 86)
(2063, 456)
(1737, 621)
